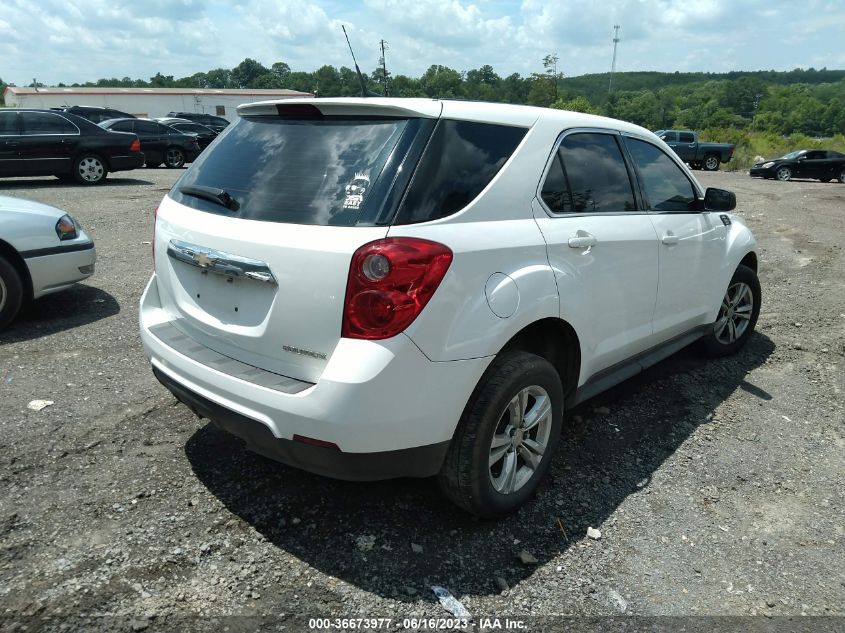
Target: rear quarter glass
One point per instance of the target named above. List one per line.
(322, 171)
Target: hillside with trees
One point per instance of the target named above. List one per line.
(797, 105)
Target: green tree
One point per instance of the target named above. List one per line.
(244, 74)
(441, 82)
(219, 78)
(578, 104)
(281, 70)
(268, 81)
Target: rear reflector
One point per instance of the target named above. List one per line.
(313, 442)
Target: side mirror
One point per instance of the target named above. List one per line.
(719, 200)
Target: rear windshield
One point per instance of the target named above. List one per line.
(311, 171)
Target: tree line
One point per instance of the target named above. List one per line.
(809, 102)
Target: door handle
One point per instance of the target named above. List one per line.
(670, 239)
(12, 143)
(582, 240)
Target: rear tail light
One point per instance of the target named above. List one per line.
(135, 146)
(390, 282)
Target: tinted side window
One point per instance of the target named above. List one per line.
(8, 123)
(666, 186)
(461, 159)
(669, 137)
(147, 127)
(122, 126)
(596, 174)
(686, 137)
(46, 123)
(555, 191)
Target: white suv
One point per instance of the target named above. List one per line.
(376, 288)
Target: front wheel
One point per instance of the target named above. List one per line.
(841, 177)
(89, 169)
(11, 292)
(783, 174)
(174, 158)
(506, 438)
(737, 315)
(711, 162)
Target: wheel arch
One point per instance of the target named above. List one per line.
(750, 260)
(555, 340)
(9, 252)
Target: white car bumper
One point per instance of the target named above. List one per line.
(380, 409)
(58, 270)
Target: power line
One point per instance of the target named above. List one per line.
(616, 28)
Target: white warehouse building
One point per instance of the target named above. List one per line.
(145, 102)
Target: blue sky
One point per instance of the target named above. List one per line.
(82, 40)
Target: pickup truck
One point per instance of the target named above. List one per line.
(705, 156)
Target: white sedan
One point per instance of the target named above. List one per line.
(42, 250)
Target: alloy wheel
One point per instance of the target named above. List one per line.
(735, 313)
(520, 440)
(91, 169)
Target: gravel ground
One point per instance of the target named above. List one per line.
(717, 485)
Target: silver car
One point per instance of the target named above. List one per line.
(42, 250)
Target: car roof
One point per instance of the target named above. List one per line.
(479, 111)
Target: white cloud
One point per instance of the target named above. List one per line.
(83, 40)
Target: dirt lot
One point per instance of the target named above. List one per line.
(717, 485)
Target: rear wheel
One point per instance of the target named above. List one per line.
(174, 158)
(711, 162)
(11, 292)
(841, 177)
(737, 315)
(783, 173)
(506, 438)
(89, 169)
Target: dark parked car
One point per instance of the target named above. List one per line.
(45, 143)
(216, 123)
(203, 134)
(824, 165)
(160, 143)
(95, 114)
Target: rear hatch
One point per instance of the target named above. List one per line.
(253, 243)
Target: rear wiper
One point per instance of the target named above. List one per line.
(212, 194)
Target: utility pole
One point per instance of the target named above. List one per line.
(613, 64)
(383, 45)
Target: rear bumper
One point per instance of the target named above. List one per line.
(125, 163)
(390, 411)
(421, 461)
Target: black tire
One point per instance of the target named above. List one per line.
(783, 173)
(174, 158)
(89, 169)
(11, 292)
(711, 162)
(717, 342)
(466, 476)
(841, 177)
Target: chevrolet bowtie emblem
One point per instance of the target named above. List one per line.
(203, 260)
